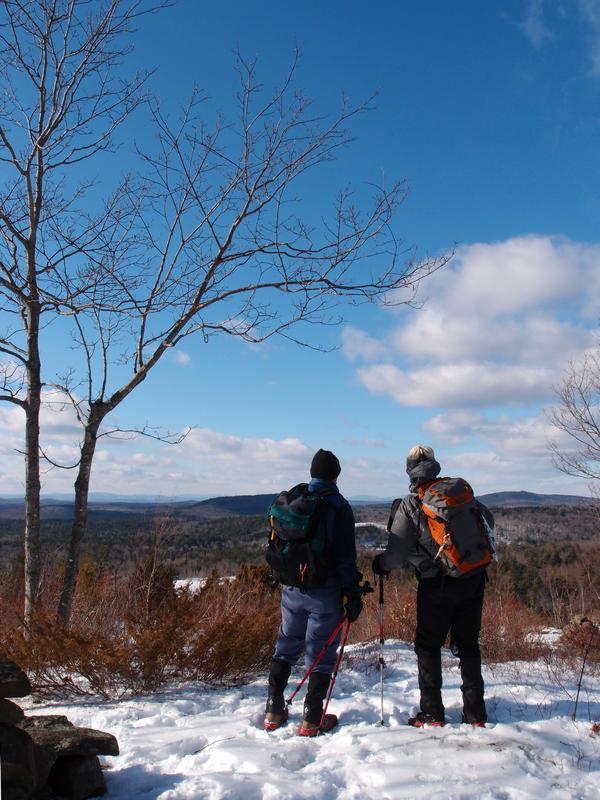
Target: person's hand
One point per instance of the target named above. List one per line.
(377, 568)
(353, 605)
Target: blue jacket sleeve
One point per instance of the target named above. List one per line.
(343, 544)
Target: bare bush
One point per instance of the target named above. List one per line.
(509, 630)
(134, 633)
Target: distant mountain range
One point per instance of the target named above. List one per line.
(515, 499)
(114, 506)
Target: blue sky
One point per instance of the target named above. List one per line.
(491, 112)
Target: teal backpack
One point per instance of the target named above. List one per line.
(297, 548)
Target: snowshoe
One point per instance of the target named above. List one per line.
(310, 729)
(274, 721)
(421, 719)
(476, 723)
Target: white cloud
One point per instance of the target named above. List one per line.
(12, 418)
(590, 12)
(182, 358)
(207, 462)
(460, 385)
(539, 32)
(357, 344)
(535, 338)
(57, 421)
(534, 25)
(515, 438)
(521, 274)
(454, 427)
(489, 471)
(213, 463)
(500, 322)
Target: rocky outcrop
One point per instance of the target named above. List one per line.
(13, 681)
(47, 756)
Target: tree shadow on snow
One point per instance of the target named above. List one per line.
(515, 710)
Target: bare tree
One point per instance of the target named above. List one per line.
(215, 245)
(213, 234)
(60, 104)
(578, 416)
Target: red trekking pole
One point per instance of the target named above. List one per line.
(327, 644)
(335, 671)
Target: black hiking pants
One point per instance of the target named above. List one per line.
(450, 605)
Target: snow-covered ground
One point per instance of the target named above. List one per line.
(208, 744)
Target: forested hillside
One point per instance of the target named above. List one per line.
(548, 556)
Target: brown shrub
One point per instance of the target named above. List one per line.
(399, 614)
(580, 639)
(509, 630)
(235, 629)
(132, 633)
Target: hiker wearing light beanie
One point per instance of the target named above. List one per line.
(448, 601)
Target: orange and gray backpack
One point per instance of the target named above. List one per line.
(456, 523)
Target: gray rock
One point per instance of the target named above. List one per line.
(17, 748)
(77, 777)
(45, 756)
(16, 782)
(66, 740)
(13, 681)
(44, 722)
(10, 713)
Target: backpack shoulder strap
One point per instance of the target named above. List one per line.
(300, 487)
(393, 511)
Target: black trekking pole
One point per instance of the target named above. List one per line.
(381, 643)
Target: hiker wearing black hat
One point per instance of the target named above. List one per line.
(315, 591)
(447, 536)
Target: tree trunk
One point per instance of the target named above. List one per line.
(80, 513)
(32, 466)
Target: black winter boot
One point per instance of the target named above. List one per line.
(430, 685)
(318, 684)
(472, 690)
(276, 712)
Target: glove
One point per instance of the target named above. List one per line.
(377, 568)
(353, 605)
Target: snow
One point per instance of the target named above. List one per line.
(194, 585)
(202, 743)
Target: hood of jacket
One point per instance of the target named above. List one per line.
(423, 472)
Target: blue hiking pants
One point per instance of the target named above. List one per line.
(307, 621)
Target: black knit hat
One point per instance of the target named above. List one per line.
(325, 465)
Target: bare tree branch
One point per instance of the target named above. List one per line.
(578, 416)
